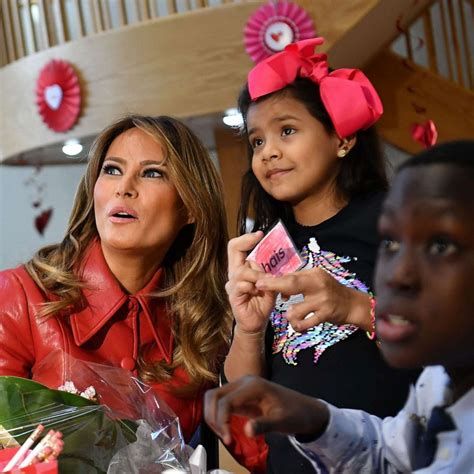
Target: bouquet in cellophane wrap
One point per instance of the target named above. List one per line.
(108, 421)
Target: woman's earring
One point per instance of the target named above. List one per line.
(342, 153)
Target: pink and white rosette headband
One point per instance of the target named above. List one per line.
(349, 97)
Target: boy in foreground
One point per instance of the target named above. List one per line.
(425, 318)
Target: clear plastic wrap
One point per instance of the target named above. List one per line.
(127, 430)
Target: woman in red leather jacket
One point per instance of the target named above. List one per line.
(138, 280)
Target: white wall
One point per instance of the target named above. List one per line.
(395, 157)
(19, 238)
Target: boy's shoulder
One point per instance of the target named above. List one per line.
(432, 376)
(432, 389)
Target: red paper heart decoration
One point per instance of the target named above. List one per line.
(58, 95)
(42, 220)
(426, 134)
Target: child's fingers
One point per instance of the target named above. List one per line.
(233, 398)
(255, 266)
(210, 409)
(219, 422)
(243, 288)
(242, 397)
(299, 311)
(290, 284)
(306, 282)
(242, 274)
(262, 425)
(238, 248)
(309, 320)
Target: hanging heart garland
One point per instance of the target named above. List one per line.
(42, 220)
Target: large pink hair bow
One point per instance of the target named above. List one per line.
(349, 97)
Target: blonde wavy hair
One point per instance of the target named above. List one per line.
(195, 266)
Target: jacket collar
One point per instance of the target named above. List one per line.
(104, 297)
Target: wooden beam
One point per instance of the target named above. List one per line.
(430, 45)
(30, 25)
(45, 25)
(153, 8)
(9, 32)
(412, 94)
(59, 23)
(78, 18)
(233, 163)
(467, 47)
(170, 6)
(447, 42)
(122, 13)
(455, 42)
(3, 39)
(106, 15)
(96, 14)
(18, 30)
(144, 13)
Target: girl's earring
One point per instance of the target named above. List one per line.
(342, 153)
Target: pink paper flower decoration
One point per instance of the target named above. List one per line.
(275, 25)
(425, 133)
(58, 95)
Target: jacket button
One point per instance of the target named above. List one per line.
(128, 363)
(132, 304)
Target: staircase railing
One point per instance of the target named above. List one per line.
(442, 40)
(28, 26)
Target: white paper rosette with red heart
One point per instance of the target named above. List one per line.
(275, 25)
(58, 95)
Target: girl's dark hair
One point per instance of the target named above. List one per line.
(362, 170)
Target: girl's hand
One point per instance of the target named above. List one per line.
(269, 407)
(325, 299)
(251, 307)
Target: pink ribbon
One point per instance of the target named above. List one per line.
(349, 97)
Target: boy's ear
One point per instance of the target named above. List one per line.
(346, 145)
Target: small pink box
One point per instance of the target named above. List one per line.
(276, 253)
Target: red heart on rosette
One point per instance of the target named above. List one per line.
(42, 220)
(276, 36)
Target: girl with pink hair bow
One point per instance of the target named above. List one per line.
(315, 163)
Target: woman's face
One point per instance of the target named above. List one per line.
(137, 207)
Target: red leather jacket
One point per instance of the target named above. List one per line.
(108, 329)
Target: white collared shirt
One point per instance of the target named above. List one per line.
(356, 442)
